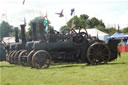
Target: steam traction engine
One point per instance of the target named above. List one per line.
(15, 48)
(67, 47)
(74, 47)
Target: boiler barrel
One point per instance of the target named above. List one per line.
(58, 46)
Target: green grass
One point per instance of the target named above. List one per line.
(114, 73)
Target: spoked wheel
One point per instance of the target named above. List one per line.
(29, 58)
(98, 53)
(79, 38)
(21, 58)
(16, 56)
(9, 57)
(41, 59)
(12, 57)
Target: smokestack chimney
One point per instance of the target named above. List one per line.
(23, 33)
(42, 32)
(16, 34)
(34, 35)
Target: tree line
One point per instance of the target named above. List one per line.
(83, 20)
(86, 22)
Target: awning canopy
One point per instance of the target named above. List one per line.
(118, 35)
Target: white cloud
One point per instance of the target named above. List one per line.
(110, 11)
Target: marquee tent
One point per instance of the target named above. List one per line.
(96, 33)
(9, 40)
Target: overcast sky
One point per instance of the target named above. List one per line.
(111, 12)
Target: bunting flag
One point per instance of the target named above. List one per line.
(72, 11)
(60, 14)
(23, 2)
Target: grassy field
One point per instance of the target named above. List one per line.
(113, 73)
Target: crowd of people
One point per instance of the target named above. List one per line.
(123, 43)
(123, 46)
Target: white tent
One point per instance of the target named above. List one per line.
(95, 32)
(9, 40)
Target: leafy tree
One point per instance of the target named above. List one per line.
(5, 29)
(125, 30)
(101, 23)
(64, 27)
(79, 21)
(84, 16)
(84, 21)
(76, 21)
(101, 28)
(110, 30)
(93, 22)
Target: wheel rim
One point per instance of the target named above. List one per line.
(12, 57)
(98, 53)
(9, 57)
(23, 53)
(41, 59)
(29, 58)
(16, 56)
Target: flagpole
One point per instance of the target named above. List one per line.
(118, 28)
(65, 18)
(73, 24)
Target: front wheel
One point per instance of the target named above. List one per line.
(41, 59)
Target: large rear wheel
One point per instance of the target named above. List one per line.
(98, 53)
